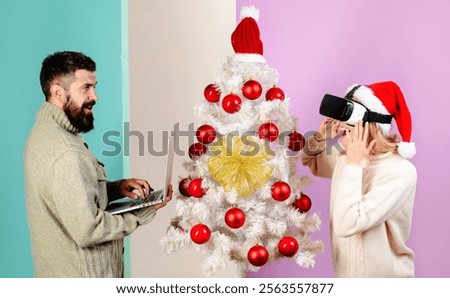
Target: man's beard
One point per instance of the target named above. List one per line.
(80, 120)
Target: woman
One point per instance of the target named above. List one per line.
(372, 189)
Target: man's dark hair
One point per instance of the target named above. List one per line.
(60, 64)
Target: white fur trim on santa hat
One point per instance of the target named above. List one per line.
(407, 150)
(365, 96)
(249, 58)
(249, 12)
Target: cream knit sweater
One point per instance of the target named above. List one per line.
(67, 193)
(370, 212)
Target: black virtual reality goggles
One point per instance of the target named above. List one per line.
(349, 111)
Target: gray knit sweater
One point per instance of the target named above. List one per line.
(67, 193)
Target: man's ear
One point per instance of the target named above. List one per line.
(57, 94)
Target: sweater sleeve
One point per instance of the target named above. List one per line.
(320, 159)
(355, 211)
(112, 188)
(77, 198)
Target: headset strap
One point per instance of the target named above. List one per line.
(377, 117)
(349, 95)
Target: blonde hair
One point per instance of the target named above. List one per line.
(383, 144)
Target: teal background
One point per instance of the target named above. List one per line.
(29, 31)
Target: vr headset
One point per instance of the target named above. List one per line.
(349, 111)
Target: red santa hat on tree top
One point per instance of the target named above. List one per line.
(387, 98)
(245, 39)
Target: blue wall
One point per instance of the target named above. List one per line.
(30, 30)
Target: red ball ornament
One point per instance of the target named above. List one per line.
(252, 89)
(235, 218)
(268, 131)
(231, 103)
(206, 134)
(183, 187)
(196, 149)
(288, 246)
(200, 233)
(195, 188)
(258, 255)
(303, 203)
(212, 93)
(280, 191)
(296, 141)
(274, 93)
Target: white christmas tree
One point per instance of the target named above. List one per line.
(240, 199)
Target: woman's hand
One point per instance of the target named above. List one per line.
(356, 146)
(328, 130)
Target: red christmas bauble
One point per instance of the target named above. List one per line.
(212, 93)
(274, 93)
(302, 204)
(200, 233)
(195, 188)
(296, 141)
(196, 150)
(288, 246)
(252, 89)
(235, 218)
(258, 255)
(206, 134)
(231, 103)
(268, 131)
(183, 187)
(280, 191)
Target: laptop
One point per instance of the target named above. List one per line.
(155, 197)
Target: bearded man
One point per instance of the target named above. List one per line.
(67, 190)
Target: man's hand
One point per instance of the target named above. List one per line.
(126, 187)
(166, 199)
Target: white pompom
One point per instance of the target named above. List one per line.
(249, 12)
(407, 150)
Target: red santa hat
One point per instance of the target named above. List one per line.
(245, 39)
(387, 98)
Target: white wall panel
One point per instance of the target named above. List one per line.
(174, 46)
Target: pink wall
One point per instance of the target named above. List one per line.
(325, 46)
